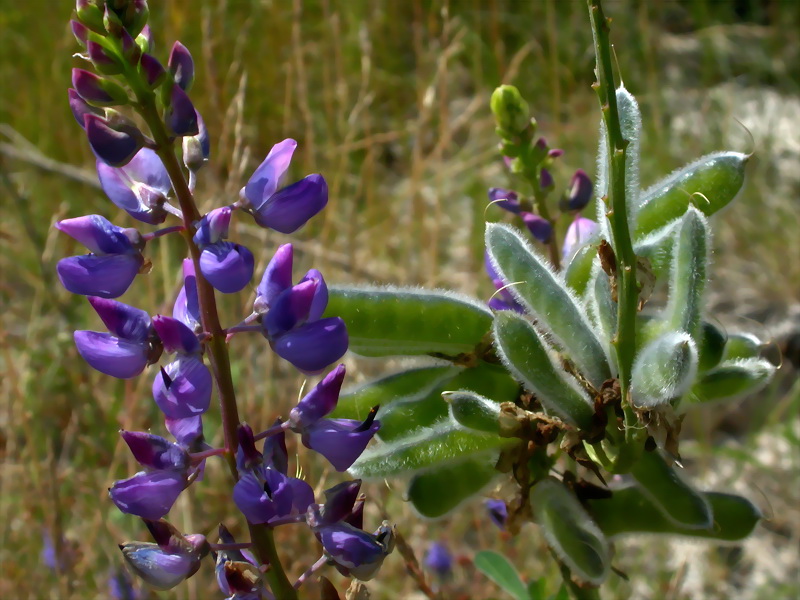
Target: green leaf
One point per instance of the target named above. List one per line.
(497, 568)
(631, 511)
(718, 177)
(677, 499)
(390, 321)
(523, 353)
(547, 298)
(688, 277)
(439, 490)
(663, 371)
(578, 272)
(604, 311)
(473, 411)
(657, 249)
(443, 443)
(731, 380)
(570, 531)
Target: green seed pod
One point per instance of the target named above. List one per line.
(731, 380)
(630, 511)
(710, 347)
(678, 500)
(742, 345)
(663, 371)
(709, 183)
(436, 492)
(473, 411)
(570, 531)
(510, 110)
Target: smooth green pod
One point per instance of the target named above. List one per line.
(578, 272)
(709, 183)
(742, 345)
(663, 371)
(570, 531)
(731, 380)
(678, 500)
(438, 491)
(710, 347)
(405, 386)
(630, 511)
(547, 298)
(473, 411)
(524, 355)
(443, 443)
(688, 276)
(391, 321)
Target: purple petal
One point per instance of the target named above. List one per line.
(104, 276)
(111, 355)
(146, 168)
(152, 70)
(140, 202)
(181, 65)
(188, 392)
(277, 278)
(540, 228)
(545, 179)
(320, 401)
(213, 227)
(505, 199)
(320, 302)
(314, 346)
(265, 179)
(265, 499)
(181, 115)
(122, 320)
(339, 440)
(340, 501)
(580, 191)
(498, 512)
(148, 495)
(98, 234)
(90, 87)
(580, 231)
(275, 453)
(80, 108)
(159, 569)
(175, 335)
(186, 431)
(353, 549)
(187, 306)
(80, 31)
(155, 452)
(290, 309)
(104, 62)
(288, 210)
(227, 266)
(112, 146)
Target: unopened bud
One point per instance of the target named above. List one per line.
(181, 66)
(510, 110)
(90, 15)
(104, 61)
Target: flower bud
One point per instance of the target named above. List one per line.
(145, 40)
(579, 193)
(505, 199)
(439, 560)
(497, 511)
(80, 31)
(96, 90)
(319, 402)
(112, 23)
(510, 110)
(90, 15)
(105, 62)
(546, 179)
(148, 495)
(196, 148)
(357, 552)
(156, 453)
(181, 66)
(213, 227)
(135, 16)
(114, 146)
(540, 228)
(181, 115)
(152, 70)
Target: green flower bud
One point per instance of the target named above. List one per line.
(510, 110)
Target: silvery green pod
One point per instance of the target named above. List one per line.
(663, 371)
(570, 531)
(473, 411)
(731, 380)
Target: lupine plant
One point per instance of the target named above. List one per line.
(150, 143)
(566, 382)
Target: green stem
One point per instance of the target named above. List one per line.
(627, 288)
(264, 543)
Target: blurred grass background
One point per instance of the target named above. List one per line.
(389, 100)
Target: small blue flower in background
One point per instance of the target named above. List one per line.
(439, 560)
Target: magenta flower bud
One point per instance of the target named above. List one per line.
(96, 90)
(148, 495)
(152, 70)
(183, 388)
(505, 199)
(181, 66)
(580, 231)
(290, 309)
(555, 153)
(277, 278)
(341, 441)
(268, 495)
(114, 146)
(213, 227)
(498, 512)
(439, 560)
(181, 115)
(228, 267)
(579, 193)
(545, 179)
(289, 209)
(80, 31)
(140, 187)
(187, 306)
(156, 453)
(319, 402)
(356, 552)
(540, 228)
(103, 61)
(314, 346)
(175, 335)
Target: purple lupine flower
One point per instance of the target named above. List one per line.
(139, 188)
(116, 144)
(172, 559)
(505, 199)
(341, 441)
(187, 306)
(503, 300)
(579, 193)
(291, 316)
(149, 495)
(237, 572)
(319, 402)
(355, 552)
(340, 501)
(540, 228)
(498, 512)
(266, 495)
(93, 88)
(181, 115)
(290, 208)
(114, 262)
(155, 452)
(439, 560)
(188, 432)
(227, 266)
(580, 231)
(127, 349)
(181, 66)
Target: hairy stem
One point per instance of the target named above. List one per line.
(628, 293)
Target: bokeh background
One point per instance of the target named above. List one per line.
(389, 100)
